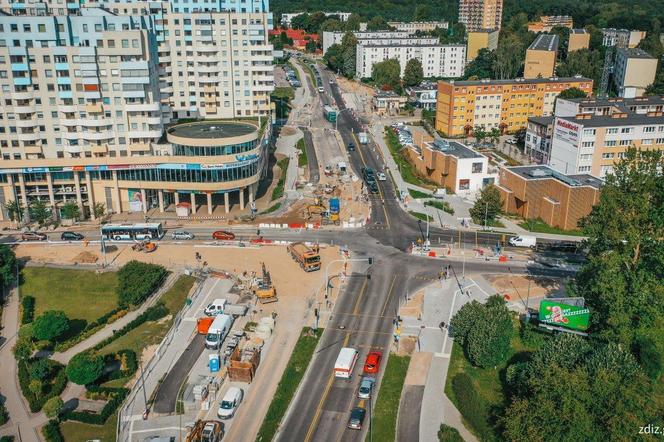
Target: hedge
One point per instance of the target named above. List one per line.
(131, 362)
(7, 439)
(449, 434)
(118, 395)
(4, 416)
(27, 309)
(92, 328)
(51, 432)
(153, 313)
(53, 389)
(470, 404)
(138, 280)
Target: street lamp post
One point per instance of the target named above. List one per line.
(327, 281)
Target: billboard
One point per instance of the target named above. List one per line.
(567, 131)
(557, 313)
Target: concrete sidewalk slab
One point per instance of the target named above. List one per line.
(418, 368)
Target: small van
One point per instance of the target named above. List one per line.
(218, 331)
(320, 89)
(229, 404)
(343, 367)
(523, 241)
(215, 308)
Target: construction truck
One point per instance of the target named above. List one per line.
(315, 209)
(206, 431)
(265, 291)
(307, 257)
(144, 246)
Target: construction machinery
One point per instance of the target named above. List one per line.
(307, 257)
(265, 291)
(315, 209)
(145, 246)
(206, 431)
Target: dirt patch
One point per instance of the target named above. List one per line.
(406, 345)
(86, 257)
(413, 308)
(286, 131)
(521, 287)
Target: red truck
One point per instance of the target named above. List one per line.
(203, 324)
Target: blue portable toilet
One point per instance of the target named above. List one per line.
(214, 363)
(334, 205)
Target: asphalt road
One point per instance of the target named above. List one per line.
(312, 159)
(408, 430)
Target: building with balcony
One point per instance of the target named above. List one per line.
(480, 14)
(414, 26)
(541, 57)
(502, 104)
(288, 17)
(634, 70)
(379, 37)
(548, 22)
(538, 139)
(622, 38)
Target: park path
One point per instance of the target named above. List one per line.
(109, 329)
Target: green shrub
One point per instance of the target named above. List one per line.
(85, 368)
(138, 280)
(7, 439)
(4, 415)
(51, 432)
(53, 407)
(50, 389)
(115, 395)
(50, 325)
(40, 369)
(27, 309)
(127, 358)
(449, 434)
(440, 205)
(153, 313)
(471, 405)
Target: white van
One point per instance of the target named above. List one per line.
(230, 403)
(343, 367)
(523, 241)
(218, 331)
(216, 307)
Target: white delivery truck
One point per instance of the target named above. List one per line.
(343, 367)
(363, 137)
(523, 241)
(218, 331)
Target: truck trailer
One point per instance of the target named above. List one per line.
(307, 257)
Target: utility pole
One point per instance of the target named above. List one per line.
(145, 397)
(486, 213)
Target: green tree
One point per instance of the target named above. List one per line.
(84, 368)
(488, 206)
(657, 88)
(494, 135)
(509, 56)
(99, 210)
(449, 434)
(464, 320)
(50, 325)
(482, 66)
(40, 369)
(15, 210)
(422, 13)
(572, 92)
(39, 211)
(299, 21)
(8, 266)
(377, 23)
(285, 39)
(353, 22)
(311, 46)
(479, 133)
(585, 62)
(23, 349)
(36, 387)
(334, 57)
(413, 73)
(621, 280)
(349, 49)
(332, 24)
(53, 407)
(387, 74)
(563, 40)
(70, 210)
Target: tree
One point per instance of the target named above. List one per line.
(479, 133)
(353, 22)
(422, 13)
(84, 368)
(70, 210)
(311, 46)
(39, 212)
(332, 24)
(657, 88)
(334, 57)
(377, 23)
(494, 135)
(509, 56)
(464, 320)
(413, 73)
(563, 40)
(285, 39)
(50, 325)
(387, 74)
(482, 65)
(53, 407)
(572, 92)
(488, 206)
(349, 49)
(40, 369)
(585, 62)
(14, 209)
(36, 387)
(621, 280)
(8, 266)
(23, 349)
(299, 21)
(99, 210)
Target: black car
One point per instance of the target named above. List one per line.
(351, 146)
(71, 236)
(373, 186)
(356, 418)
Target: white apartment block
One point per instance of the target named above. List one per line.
(588, 143)
(288, 17)
(446, 61)
(335, 37)
(415, 26)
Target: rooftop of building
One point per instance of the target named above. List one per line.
(424, 86)
(483, 31)
(578, 31)
(543, 121)
(625, 119)
(545, 42)
(616, 101)
(488, 82)
(635, 53)
(453, 148)
(434, 44)
(540, 172)
(212, 129)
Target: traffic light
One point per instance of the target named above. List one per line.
(370, 260)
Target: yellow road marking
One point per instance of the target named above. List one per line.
(389, 294)
(357, 303)
(380, 192)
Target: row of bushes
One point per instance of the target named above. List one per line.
(471, 405)
(51, 431)
(36, 400)
(92, 328)
(138, 280)
(27, 309)
(4, 416)
(153, 313)
(116, 395)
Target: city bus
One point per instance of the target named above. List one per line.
(330, 113)
(131, 232)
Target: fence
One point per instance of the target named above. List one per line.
(126, 409)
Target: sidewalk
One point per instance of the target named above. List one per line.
(109, 329)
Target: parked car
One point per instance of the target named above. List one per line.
(366, 386)
(71, 236)
(229, 404)
(356, 418)
(223, 235)
(381, 176)
(372, 363)
(182, 234)
(33, 236)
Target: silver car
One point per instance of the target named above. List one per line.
(182, 234)
(366, 386)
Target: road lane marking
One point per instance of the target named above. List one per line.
(389, 293)
(357, 303)
(357, 143)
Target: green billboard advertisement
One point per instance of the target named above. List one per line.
(564, 315)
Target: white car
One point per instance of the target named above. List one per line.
(230, 403)
(381, 176)
(182, 234)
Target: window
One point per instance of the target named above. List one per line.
(612, 130)
(610, 143)
(477, 168)
(607, 156)
(649, 129)
(464, 184)
(588, 131)
(588, 144)
(586, 157)
(646, 141)
(626, 130)
(625, 142)
(584, 169)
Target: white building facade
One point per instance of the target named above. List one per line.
(442, 61)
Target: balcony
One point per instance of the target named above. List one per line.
(208, 80)
(70, 135)
(164, 59)
(133, 94)
(73, 149)
(142, 107)
(99, 149)
(67, 108)
(34, 136)
(208, 69)
(96, 136)
(25, 109)
(94, 108)
(33, 150)
(28, 122)
(94, 122)
(69, 121)
(27, 95)
(153, 133)
(139, 147)
(207, 49)
(92, 95)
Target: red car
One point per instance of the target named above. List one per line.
(223, 235)
(372, 364)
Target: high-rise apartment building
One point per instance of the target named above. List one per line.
(480, 14)
(548, 22)
(502, 104)
(634, 70)
(87, 90)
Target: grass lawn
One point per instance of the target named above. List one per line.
(420, 215)
(389, 395)
(302, 159)
(406, 169)
(297, 365)
(539, 226)
(417, 194)
(278, 190)
(440, 205)
(152, 332)
(80, 432)
(81, 294)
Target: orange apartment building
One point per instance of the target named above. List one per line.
(541, 57)
(540, 192)
(503, 104)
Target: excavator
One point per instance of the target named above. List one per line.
(206, 431)
(265, 291)
(315, 209)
